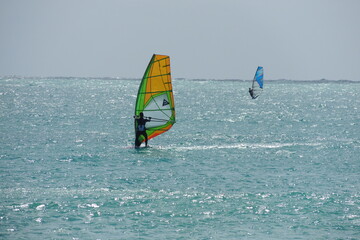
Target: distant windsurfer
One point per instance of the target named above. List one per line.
(251, 91)
(141, 129)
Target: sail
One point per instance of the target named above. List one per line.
(258, 81)
(155, 97)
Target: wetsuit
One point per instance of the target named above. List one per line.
(141, 130)
(251, 91)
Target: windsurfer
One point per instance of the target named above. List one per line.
(141, 130)
(251, 91)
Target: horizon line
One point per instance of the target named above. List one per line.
(176, 78)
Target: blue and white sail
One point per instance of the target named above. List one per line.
(258, 82)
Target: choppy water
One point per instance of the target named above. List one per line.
(283, 166)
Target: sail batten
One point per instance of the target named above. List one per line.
(155, 97)
(159, 75)
(154, 92)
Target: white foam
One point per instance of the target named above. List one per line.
(40, 207)
(238, 146)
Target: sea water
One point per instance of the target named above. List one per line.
(283, 166)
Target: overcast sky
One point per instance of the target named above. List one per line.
(216, 39)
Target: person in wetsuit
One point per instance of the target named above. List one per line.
(251, 91)
(141, 129)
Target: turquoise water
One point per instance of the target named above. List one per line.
(283, 166)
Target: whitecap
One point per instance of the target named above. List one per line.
(40, 207)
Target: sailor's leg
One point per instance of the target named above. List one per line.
(137, 142)
(146, 138)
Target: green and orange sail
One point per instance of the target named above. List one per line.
(155, 97)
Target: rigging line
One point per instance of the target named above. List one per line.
(157, 119)
(157, 110)
(162, 121)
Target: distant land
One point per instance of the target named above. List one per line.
(323, 80)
